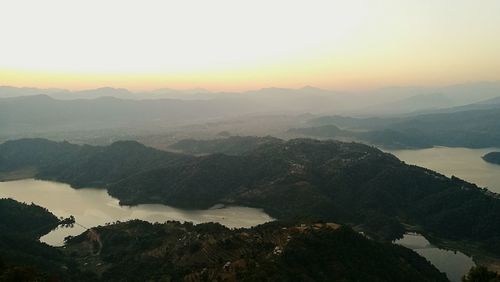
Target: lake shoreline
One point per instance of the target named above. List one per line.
(93, 207)
(20, 174)
(464, 163)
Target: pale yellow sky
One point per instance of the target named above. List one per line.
(238, 45)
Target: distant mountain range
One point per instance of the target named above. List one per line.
(473, 126)
(41, 114)
(109, 113)
(64, 94)
(266, 100)
(414, 100)
(386, 101)
(488, 104)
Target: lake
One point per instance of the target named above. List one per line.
(454, 264)
(464, 163)
(92, 207)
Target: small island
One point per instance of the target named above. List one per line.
(493, 157)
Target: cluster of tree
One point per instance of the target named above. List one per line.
(481, 274)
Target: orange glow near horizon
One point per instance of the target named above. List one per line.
(227, 45)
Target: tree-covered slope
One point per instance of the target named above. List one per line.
(140, 251)
(308, 179)
(84, 165)
(234, 145)
(272, 252)
(22, 256)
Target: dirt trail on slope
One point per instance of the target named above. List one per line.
(94, 237)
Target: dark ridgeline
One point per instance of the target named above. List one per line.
(232, 145)
(84, 166)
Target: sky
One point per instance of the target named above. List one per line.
(238, 45)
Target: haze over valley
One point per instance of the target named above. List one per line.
(257, 140)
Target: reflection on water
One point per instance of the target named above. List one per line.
(454, 264)
(92, 207)
(462, 162)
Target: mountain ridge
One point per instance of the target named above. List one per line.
(299, 179)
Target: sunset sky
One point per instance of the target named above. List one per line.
(239, 45)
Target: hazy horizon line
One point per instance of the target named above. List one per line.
(276, 87)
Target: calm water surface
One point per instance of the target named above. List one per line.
(454, 264)
(464, 163)
(92, 207)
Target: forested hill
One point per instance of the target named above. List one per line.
(493, 157)
(29, 221)
(346, 182)
(22, 256)
(173, 251)
(234, 145)
(300, 179)
(84, 165)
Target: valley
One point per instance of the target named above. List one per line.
(249, 141)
